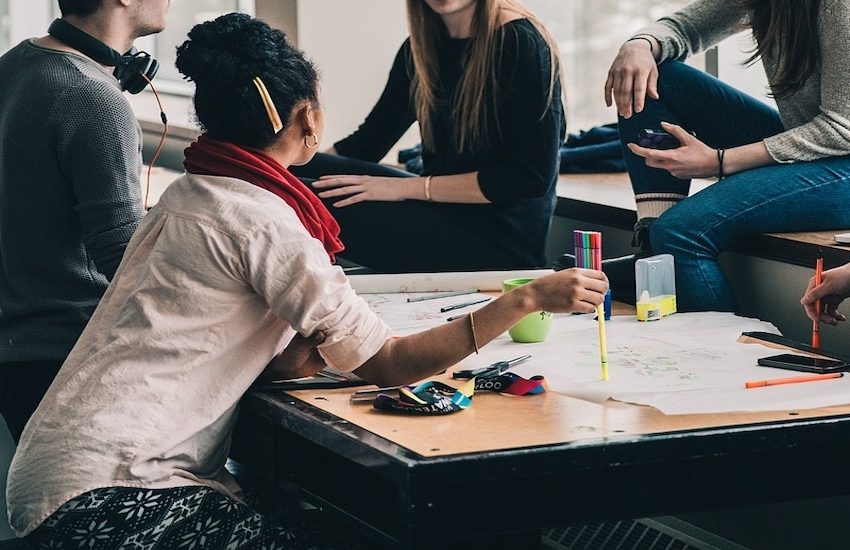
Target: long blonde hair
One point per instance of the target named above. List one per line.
(479, 90)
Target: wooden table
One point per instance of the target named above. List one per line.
(508, 466)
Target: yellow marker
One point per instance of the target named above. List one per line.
(603, 347)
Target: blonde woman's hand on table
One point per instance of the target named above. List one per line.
(355, 189)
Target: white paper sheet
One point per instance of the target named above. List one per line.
(408, 317)
(438, 282)
(683, 364)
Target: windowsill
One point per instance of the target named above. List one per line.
(174, 131)
(176, 88)
(607, 199)
(178, 109)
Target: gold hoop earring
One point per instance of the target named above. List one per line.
(315, 143)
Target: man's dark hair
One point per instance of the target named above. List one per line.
(79, 7)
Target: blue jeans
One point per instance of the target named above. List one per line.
(800, 196)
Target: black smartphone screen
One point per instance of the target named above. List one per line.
(656, 139)
(803, 363)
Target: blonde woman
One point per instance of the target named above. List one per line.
(482, 79)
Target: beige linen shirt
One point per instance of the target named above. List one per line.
(214, 284)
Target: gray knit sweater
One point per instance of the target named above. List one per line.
(69, 196)
(816, 117)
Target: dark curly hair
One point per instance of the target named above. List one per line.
(223, 56)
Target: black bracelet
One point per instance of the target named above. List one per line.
(720, 154)
(648, 41)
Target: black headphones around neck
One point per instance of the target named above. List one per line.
(130, 68)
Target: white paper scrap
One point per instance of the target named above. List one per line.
(438, 282)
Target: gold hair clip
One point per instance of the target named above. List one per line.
(271, 110)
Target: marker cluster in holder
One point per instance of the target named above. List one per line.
(588, 253)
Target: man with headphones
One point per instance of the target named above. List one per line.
(70, 198)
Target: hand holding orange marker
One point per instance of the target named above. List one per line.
(792, 380)
(818, 305)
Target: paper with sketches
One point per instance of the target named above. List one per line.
(408, 317)
(683, 364)
(438, 282)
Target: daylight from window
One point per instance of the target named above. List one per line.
(589, 35)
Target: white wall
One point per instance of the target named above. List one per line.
(353, 50)
(28, 17)
(749, 79)
(353, 44)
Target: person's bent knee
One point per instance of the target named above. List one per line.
(679, 231)
(672, 70)
(666, 231)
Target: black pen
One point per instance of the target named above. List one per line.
(331, 376)
(464, 304)
(495, 369)
(443, 295)
(369, 395)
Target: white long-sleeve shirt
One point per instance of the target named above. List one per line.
(214, 284)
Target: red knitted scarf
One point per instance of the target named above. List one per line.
(210, 157)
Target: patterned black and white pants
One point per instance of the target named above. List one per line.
(179, 518)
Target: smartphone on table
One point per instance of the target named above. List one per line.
(803, 363)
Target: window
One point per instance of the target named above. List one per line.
(751, 79)
(182, 16)
(22, 19)
(589, 33)
(4, 25)
(174, 91)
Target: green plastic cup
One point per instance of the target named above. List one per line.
(534, 327)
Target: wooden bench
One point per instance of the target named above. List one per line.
(607, 199)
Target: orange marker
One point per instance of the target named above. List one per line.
(818, 307)
(792, 380)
